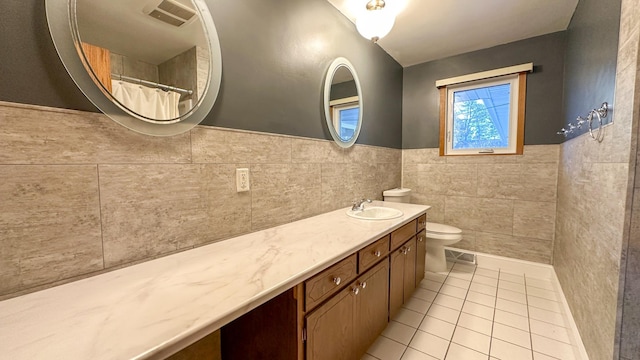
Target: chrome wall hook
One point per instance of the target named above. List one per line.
(599, 113)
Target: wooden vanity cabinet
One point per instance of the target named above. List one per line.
(373, 253)
(402, 275)
(339, 312)
(330, 328)
(396, 285)
(409, 280)
(372, 307)
(402, 234)
(320, 287)
(345, 326)
(403, 260)
(422, 222)
(421, 253)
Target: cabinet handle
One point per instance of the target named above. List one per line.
(409, 249)
(363, 285)
(420, 239)
(377, 253)
(356, 290)
(422, 223)
(337, 280)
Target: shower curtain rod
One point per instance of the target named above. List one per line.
(152, 84)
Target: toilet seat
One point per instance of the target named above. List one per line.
(443, 232)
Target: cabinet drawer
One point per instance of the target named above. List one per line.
(322, 286)
(422, 222)
(403, 234)
(372, 253)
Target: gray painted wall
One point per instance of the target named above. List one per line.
(343, 90)
(275, 56)
(420, 118)
(590, 62)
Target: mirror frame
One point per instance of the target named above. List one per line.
(60, 17)
(333, 68)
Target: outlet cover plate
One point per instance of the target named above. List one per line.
(242, 180)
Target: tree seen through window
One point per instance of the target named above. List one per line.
(477, 118)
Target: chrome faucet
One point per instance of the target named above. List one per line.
(359, 205)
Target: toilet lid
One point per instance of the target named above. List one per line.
(436, 228)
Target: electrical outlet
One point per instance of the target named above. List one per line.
(242, 179)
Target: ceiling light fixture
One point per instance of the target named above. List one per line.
(376, 22)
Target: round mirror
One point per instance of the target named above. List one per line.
(343, 102)
(153, 66)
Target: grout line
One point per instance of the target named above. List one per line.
(394, 340)
(100, 215)
(539, 297)
(191, 146)
(541, 288)
(494, 315)
(528, 316)
(424, 316)
(460, 312)
(495, 310)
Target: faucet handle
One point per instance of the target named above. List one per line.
(359, 205)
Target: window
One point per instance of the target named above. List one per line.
(483, 113)
(345, 114)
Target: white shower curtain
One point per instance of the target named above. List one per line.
(149, 102)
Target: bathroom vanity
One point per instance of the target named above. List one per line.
(338, 313)
(318, 288)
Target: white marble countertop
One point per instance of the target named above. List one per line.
(153, 309)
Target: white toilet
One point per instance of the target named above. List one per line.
(438, 235)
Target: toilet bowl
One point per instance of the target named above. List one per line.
(437, 237)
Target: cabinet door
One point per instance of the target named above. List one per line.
(421, 253)
(372, 306)
(396, 282)
(409, 268)
(330, 328)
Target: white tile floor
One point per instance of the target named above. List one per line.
(473, 313)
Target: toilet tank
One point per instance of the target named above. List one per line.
(400, 195)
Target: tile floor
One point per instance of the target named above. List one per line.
(473, 313)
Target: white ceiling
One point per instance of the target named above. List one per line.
(123, 27)
(427, 30)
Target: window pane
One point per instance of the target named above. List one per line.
(481, 117)
(348, 122)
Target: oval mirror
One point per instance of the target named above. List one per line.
(153, 66)
(343, 102)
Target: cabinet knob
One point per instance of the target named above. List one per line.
(377, 253)
(337, 280)
(420, 239)
(356, 290)
(363, 285)
(408, 248)
(422, 223)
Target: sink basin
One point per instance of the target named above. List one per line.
(375, 213)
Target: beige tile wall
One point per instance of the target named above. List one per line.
(505, 205)
(629, 306)
(82, 195)
(594, 205)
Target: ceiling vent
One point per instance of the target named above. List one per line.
(171, 12)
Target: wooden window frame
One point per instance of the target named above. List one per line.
(519, 122)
